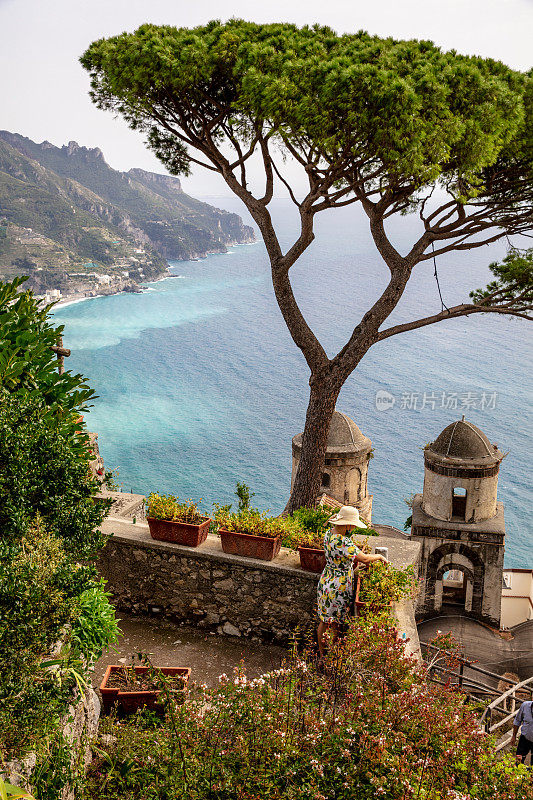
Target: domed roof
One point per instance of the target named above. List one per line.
(343, 432)
(344, 436)
(463, 440)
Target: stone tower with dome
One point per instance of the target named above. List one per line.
(345, 473)
(460, 524)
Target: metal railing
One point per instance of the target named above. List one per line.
(468, 677)
(472, 680)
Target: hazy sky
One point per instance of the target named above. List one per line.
(43, 89)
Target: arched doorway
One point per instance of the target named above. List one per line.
(454, 589)
(455, 580)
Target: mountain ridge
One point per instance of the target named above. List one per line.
(71, 197)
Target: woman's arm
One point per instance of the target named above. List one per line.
(370, 558)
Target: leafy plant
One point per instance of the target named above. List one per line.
(7, 790)
(96, 627)
(27, 363)
(39, 589)
(44, 469)
(166, 506)
(311, 525)
(244, 495)
(256, 523)
(383, 583)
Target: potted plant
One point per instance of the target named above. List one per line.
(381, 585)
(170, 520)
(307, 537)
(250, 533)
(137, 687)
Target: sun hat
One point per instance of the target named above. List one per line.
(347, 515)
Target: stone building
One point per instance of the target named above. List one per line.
(460, 524)
(346, 465)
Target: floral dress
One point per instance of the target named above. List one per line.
(335, 584)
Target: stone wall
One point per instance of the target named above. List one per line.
(213, 590)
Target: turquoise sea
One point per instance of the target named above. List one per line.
(200, 384)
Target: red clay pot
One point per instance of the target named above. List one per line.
(131, 701)
(312, 559)
(185, 533)
(245, 544)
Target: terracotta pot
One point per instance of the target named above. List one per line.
(131, 701)
(245, 544)
(312, 559)
(185, 533)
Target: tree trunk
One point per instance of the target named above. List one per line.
(315, 437)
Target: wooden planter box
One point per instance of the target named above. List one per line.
(131, 701)
(245, 544)
(185, 533)
(312, 559)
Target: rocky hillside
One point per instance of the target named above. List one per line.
(61, 207)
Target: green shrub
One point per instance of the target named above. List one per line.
(383, 583)
(311, 526)
(96, 627)
(27, 364)
(44, 469)
(166, 506)
(38, 601)
(49, 524)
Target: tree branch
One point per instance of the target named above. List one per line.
(463, 310)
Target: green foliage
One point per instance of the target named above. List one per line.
(7, 790)
(514, 280)
(406, 105)
(255, 523)
(27, 364)
(244, 496)
(35, 606)
(370, 726)
(44, 468)
(311, 525)
(39, 587)
(96, 626)
(166, 506)
(315, 519)
(383, 583)
(57, 769)
(49, 521)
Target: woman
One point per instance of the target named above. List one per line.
(335, 584)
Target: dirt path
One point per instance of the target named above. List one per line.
(208, 655)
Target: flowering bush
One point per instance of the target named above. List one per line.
(371, 726)
(166, 506)
(256, 523)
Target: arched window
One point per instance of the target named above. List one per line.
(326, 480)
